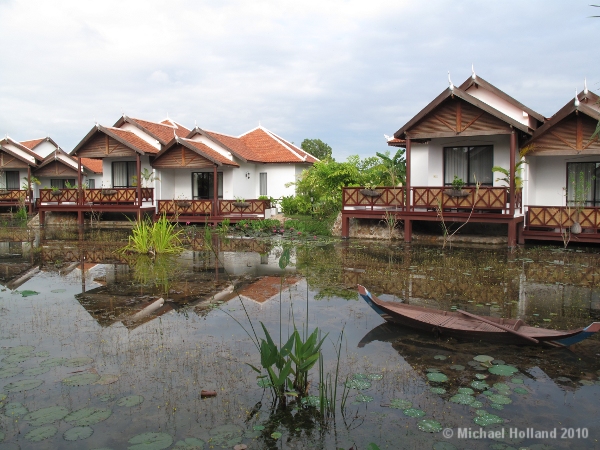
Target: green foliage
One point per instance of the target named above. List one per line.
(317, 148)
(518, 170)
(311, 226)
(457, 183)
(394, 168)
(153, 238)
(21, 214)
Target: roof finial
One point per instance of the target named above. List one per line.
(195, 124)
(585, 89)
(576, 99)
(473, 76)
(451, 86)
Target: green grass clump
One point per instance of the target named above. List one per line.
(154, 238)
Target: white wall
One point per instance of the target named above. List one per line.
(146, 137)
(107, 169)
(500, 104)
(44, 149)
(277, 177)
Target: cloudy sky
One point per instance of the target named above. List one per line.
(344, 71)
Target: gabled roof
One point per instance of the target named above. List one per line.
(61, 156)
(22, 153)
(126, 138)
(163, 132)
(588, 104)
(453, 91)
(201, 149)
(33, 143)
(91, 164)
(228, 142)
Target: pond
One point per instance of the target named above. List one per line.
(98, 352)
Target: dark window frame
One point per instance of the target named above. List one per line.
(196, 195)
(128, 166)
(594, 201)
(468, 181)
(260, 186)
(60, 183)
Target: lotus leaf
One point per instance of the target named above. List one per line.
(42, 354)
(27, 293)
(10, 372)
(14, 410)
(276, 435)
(258, 427)
(78, 362)
(440, 357)
(88, 416)
(226, 436)
(503, 370)
(465, 390)
(23, 385)
(189, 444)
(429, 426)
(53, 362)
(81, 379)
(359, 376)
(39, 434)
(107, 379)
(45, 416)
(16, 359)
(476, 404)
(473, 363)
(498, 362)
(462, 399)
(497, 406)
(520, 390)
(437, 377)
(130, 400)
(150, 441)
(35, 371)
(501, 386)
(358, 384)
(78, 433)
(500, 399)
(414, 412)
(481, 376)
(488, 419)
(438, 390)
(483, 358)
(375, 376)
(481, 385)
(106, 397)
(457, 367)
(481, 412)
(360, 398)
(400, 403)
(20, 349)
(480, 367)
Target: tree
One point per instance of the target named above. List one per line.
(394, 168)
(317, 148)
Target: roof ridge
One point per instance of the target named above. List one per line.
(278, 139)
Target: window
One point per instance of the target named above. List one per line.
(203, 185)
(12, 180)
(583, 177)
(472, 164)
(62, 183)
(123, 174)
(263, 183)
(91, 183)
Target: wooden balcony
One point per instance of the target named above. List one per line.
(14, 197)
(107, 196)
(554, 223)
(205, 211)
(187, 208)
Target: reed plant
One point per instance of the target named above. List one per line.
(148, 237)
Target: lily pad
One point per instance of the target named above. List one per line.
(465, 390)
(498, 362)
(10, 372)
(39, 434)
(483, 358)
(520, 390)
(481, 385)
(23, 385)
(106, 397)
(53, 362)
(440, 357)
(361, 398)
(437, 390)
(78, 433)
(276, 435)
(462, 399)
(130, 400)
(28, 293)
(45, 416)
(375, 376)
(18, 358)
(88, 416)
(500, 399)
(414, 412)
(258, 427)
(501, 386)
(42, 354)
(457, 367)
(311, 400)
(150, 441)
(189, 444)
(503, 370)
(78, 362)
(437, 377)
(476, 404)
(400, 403)
(487, 419)
(481, 376)
(14, 410)
(19, 349)
(107, 379)
(358, 384)
(226, 436)
(81, 379)
(35, 371)
(429, 426)
(497, 406)
(359, 376)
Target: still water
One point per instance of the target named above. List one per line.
(90, 357)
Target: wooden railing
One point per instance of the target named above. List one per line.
(106, 196)
(359, 197)
(13, 195)
(484, 198)
(185, 207)
(562, 217)
(246, 208)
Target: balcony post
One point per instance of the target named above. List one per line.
(408, 222)
(512, 187)
(29, 193)
(138, 168)
(215, 191)
(79, 182)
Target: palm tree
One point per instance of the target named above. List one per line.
(395, 167)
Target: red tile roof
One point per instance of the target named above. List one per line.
(206, 150)
(33, 143)
(164, 131)
(133, 139)
(180, 130)
(270, 149)
(234, 144)
(95, 165)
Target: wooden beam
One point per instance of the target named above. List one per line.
(445, 123)
(445, 134)
(574, 147)
(579, 134)
(458, 116)
(471, 122)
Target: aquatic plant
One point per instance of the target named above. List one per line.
(78, 433)
(150, 441)
(153, 238)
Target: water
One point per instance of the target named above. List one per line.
(167, 353)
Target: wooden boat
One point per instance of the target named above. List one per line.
(463, 324)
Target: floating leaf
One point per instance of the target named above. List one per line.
(276, 435)
(359, 376)
(481, 385)
(189, 444)
(438, 390)
(440, 357)
(414, 412)
(501, 386)
(258, 427)
(88, 416)
(465, 390)
(106, 397)
(35, 371)
(483, 358)
(81, 379)
(23, 385)
(457, 367)
(19, 349)
(481, 376)
(497, 406)
(130, 400)
(42, 354)
(360, 398)
(53, 362)
(311, 400)
(520, 390)
(27, 293)
(462, 399)
(18, 358)
(107, 379)
(78, 362)
(375, 376)
(498, 362)
(45, 416)
(400, 403)
(78, 433)
(358, 384)
(58, 291)
(429, 426)
(500, 399)
(437, 377)
(476, 404)
(487, 419)
(503, 370)
(150, 441)
(14, 410)
(226, 436)
(39, 434)
(10, 372)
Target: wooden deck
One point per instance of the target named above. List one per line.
(553, 223)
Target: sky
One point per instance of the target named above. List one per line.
(343, 71)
